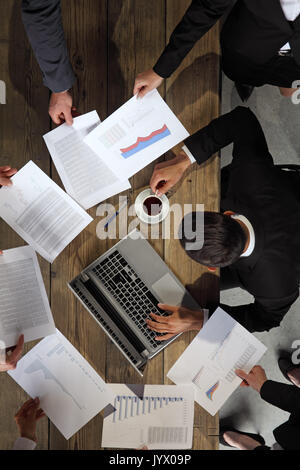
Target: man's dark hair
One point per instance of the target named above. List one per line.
(224, 239)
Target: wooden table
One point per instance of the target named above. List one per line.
(110, 41)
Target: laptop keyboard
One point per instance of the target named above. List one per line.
(130, 292)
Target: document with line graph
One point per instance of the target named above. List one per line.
(136, 134)
(158, 416)
(210, 361)
(70, 390)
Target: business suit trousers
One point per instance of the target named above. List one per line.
(280, 71)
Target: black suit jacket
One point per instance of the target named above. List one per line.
(270, 199)
(43, 24)
(255, 29)
(287, 398)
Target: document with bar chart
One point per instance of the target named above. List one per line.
(71, 392)
(85, 176)
(136, 134)
(157, 416)
(210, 361)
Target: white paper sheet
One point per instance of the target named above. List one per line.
(210, 361)
(24, 306)
(158, 416)
(84, 174)
(136, 134)
(41, 212)
(70, 390)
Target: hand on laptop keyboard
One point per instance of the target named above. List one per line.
(180, 320)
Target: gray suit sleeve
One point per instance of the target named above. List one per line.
(43, 24)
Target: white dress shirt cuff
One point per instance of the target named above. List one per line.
(189, 154)
(22, 443)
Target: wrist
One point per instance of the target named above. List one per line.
(157, 76)
(60, 93)
(261, 385)
(184, 160)
(198, 320)
(29, 436)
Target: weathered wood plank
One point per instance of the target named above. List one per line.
(22, 123)
(193, 94)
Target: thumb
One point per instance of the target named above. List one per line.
(55, 118)
(164, 188)
(143, 92)
(68, 116)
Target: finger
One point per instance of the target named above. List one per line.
(33, 407)
(159, 318)
(5, 181)
(10, 172)
(137, 87)
(240, 373)
(168, 308)
(5, 168)
(40, 414)
(165, 337)
(7, 367)
(55, 118)
(155, 180)
(24, 407)
(143, 91)
(1, 252)
(158, 327)
(244, 384)
(163, 189)
(17, 353)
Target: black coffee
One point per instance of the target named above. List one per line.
(152, 206)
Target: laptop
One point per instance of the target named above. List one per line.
(122, 287)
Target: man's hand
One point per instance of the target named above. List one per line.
(12, 355)
(5, 174)
(27, 417)
(167, 174)
(255, 379)
(181, 320)
(60, 108)
(145, 82)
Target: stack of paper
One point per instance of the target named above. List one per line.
(84, 174)
(136, 134)
(71, 392)
(158, 416)
(41, 212)
(24, 306)
(210, 361)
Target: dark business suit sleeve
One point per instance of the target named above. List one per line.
(284, 396)
(262, 315)
(43, 24)
(198, 19)
(240, 127)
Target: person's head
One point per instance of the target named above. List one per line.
(224, 238)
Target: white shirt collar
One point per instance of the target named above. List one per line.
(251, 246)
(291, 9)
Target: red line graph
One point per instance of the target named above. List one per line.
(145, 139)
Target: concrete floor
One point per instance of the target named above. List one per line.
(280, 119)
